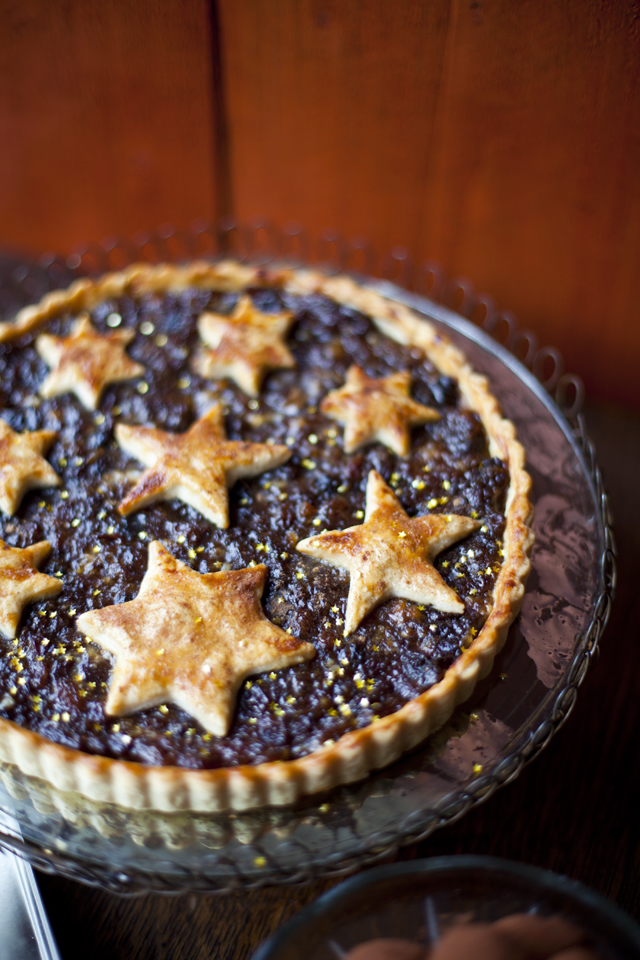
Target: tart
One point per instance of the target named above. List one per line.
(261, 531)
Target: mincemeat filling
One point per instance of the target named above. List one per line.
(53, 681)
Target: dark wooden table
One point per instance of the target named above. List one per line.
(575, 810)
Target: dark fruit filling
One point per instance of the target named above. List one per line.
(54, 682)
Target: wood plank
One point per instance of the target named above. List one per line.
(502, 139)
(105, 120)
(533, 190)
(331, 107)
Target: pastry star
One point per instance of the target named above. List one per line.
(376, 410)
(86, 362)
(391, 554)
(21, 583)
(244, 345)
(190, 638)
(197, 466)
(22, 466)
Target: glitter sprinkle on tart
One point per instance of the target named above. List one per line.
(242, 602)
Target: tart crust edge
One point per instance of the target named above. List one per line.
(356, 754)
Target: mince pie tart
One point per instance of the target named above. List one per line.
(260, 531)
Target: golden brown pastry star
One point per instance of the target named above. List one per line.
(85, 362)
(22, 466)
(244, 345)
(376, 410)
(190, 638)
(391, 554)
(21, 583)
(197, 466)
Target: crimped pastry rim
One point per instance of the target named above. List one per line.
(355, 754)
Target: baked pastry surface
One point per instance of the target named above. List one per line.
(356, 693)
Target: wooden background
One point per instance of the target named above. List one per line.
(501, 137)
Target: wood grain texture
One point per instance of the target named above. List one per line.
(574, 810)
(105, 119)
(500, 138)
(331, 110)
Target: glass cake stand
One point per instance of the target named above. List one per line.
(510, 718)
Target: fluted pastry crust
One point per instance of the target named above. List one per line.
(356, 753)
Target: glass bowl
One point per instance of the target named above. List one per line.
(419, 899)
